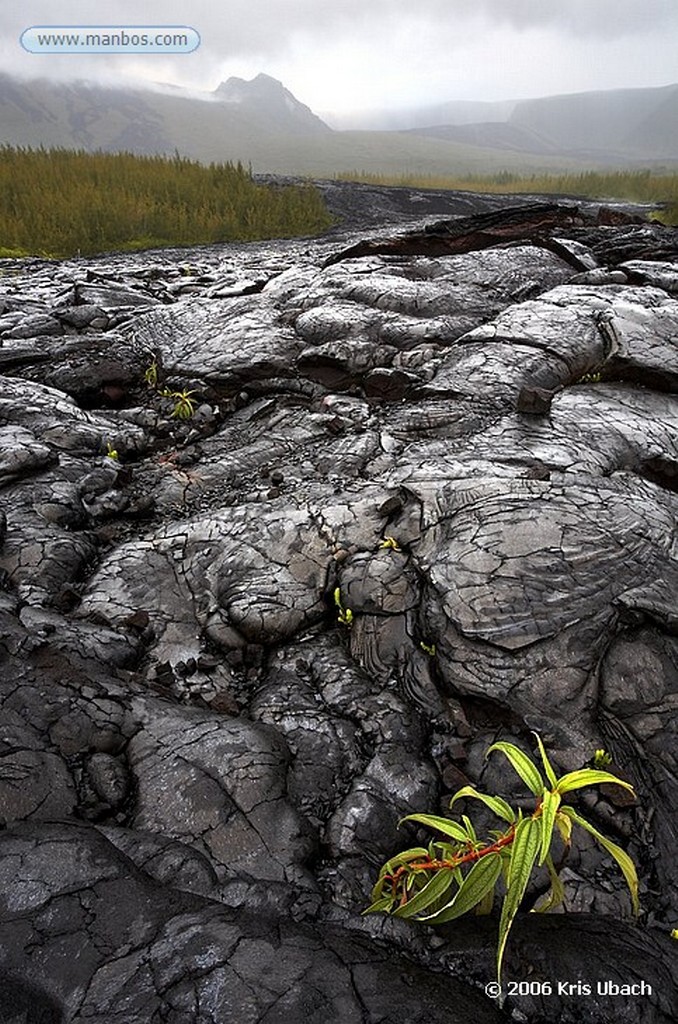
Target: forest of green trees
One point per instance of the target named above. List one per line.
(638, 186)
(59, 203)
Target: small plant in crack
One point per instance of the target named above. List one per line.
(429, 649)
(459, 873)
(111, 452)
(391, 544)
(344, 615)
(184, 405)
(591, 378)
(601, 759)
(151, 374)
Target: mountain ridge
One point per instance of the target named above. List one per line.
(604, 120)
(262, 123)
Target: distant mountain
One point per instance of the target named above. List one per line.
(452, 112)
(629, 124)
(217, 125)
(659, 124)
(260, 123)
(491, 134)
(613, 127)
(267, 98)
(78, 115)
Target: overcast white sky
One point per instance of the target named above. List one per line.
(343, 55)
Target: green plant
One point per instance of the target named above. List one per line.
(345, 616)
(111, 452)
(184, 405)
(59, 203)
(151, 374)
(13, 254)
(601, 759)
(390, 543)
(458, 874)
(429, 649)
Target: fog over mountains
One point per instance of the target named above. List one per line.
(261, 123)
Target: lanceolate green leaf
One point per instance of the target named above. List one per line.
(470, 831)
(444, 825)
(416, 853)
(622, 858)
(550, 774)
(564, 826)
(523, 765)
(484, 906)
(589, 777)
(432, 892)
(495, 803)
(480, 880)
(528, 833)
(383, 904)
(523, 855)
(557, 894)
(549, 809)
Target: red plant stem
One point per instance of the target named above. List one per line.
(438, 865)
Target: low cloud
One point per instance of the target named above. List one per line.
(328, 49)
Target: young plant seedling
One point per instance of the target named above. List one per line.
(590, 378)
(459, 873)
(391, 544)
(151, 375)
(184, 405)
(345, 615)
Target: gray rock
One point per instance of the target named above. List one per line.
(34, 326)
(185, 958)
(658, 273)
(425, 499)
(109, 296)
(82, 316)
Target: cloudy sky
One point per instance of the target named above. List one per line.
(345, 55)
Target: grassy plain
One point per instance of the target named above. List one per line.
(59, 202)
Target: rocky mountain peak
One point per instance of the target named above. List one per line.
(267, 96)
(235, 90)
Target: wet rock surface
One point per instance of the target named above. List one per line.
(468, 428)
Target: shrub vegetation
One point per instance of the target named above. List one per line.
(637, 186)
(459, 873)
(60, 203)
